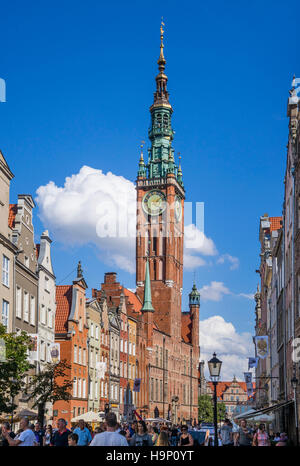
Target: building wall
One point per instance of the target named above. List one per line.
(94, 335)
(7, 249)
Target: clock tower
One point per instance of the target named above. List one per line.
(160, 213)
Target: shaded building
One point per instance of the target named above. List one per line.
(71, 332)
(8, 250)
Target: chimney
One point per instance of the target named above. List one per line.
(110, 277)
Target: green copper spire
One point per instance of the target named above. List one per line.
(160, 132)
(194, 296)
(147, 306)
(142, 172)
(179, 173)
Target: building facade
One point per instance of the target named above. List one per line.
(93, 315)
(71, 332)
(233, 394)
(8, 250)
(46, 305)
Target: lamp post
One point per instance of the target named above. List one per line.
(214, 366)
(294, 383)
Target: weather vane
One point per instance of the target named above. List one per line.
(162, 30)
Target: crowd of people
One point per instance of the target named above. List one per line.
(137, 434)
(231, 434)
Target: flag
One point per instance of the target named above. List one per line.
(248, 377)
(33, 354)
(252, 362)
(137, 415)
(137, 385)
(262, 346)
(54, 352)
(101, 369)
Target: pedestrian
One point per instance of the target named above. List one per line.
(39, 434)
(225, 434)
(48, 436)
(162, 439)
(185, 440)
(60, 436)
(109, 438)
(174, 437)
(73, 440)
(141, 438)
(282, 440)
(84, 435)
(154, 434)
(235, 430)
(26, 437)
(244, 435)
(261, 437)
(7, 429)
(277, 437)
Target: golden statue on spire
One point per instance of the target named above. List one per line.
(161, 61)
(161, 30)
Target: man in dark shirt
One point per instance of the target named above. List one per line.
(6, 428)
(39, 434)
(60, 437)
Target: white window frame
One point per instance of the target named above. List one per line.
(5, 270)
(79, 387)
(5, 313)
(26, 307)
(75, 387)
(50, 318)
(75, 353)
(19, 302)
(32, 310)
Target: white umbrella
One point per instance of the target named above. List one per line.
(90, 416)
(157, 419)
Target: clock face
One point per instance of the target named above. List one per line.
(154, 202)
(178, 209)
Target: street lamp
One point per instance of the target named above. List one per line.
(214, 366)
(294, 383)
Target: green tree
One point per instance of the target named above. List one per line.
(50, 385)
(13, 367)
(206, 409)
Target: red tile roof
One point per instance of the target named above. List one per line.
(134, 300)
(186, 326)
(63, 307)
(223, 386)
(275, 223)
(12, 215)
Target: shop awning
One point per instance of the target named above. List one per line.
(269, 409)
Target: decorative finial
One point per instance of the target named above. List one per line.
(79, 270)
(142, 156)
(161, 61)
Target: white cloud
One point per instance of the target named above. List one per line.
(247, 295)
(234, 261)
(233, 348)
(97, 208)
(93, 207)
(214, 291)
(196, 241)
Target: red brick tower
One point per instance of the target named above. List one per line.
(160, 219)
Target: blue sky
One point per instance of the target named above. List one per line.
(80, 80)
